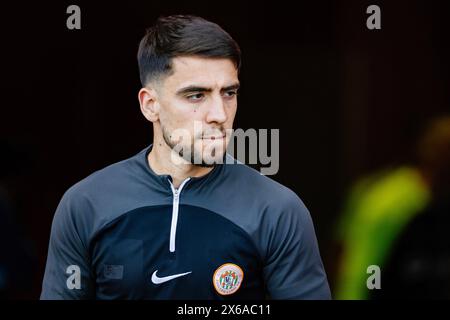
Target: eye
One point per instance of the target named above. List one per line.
(195, 97)
(230, 94)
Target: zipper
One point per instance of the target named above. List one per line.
(176, 202)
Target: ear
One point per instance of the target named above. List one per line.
(149, 105)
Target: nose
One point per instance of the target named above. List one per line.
(217, 112)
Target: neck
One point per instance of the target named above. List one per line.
(160, 160)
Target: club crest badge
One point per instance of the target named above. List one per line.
(228, 278)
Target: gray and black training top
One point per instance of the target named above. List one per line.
(125, 232)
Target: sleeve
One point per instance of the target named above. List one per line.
(293, 267)
(67, 272)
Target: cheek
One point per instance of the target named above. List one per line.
(231, 112)
(195, 113)
(174, 116)
(166, 120)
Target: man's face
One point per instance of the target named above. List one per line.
(197, 106)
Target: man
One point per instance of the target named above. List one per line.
(174, 221)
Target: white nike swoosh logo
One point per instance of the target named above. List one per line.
(158, 280)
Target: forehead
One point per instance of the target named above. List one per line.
(208, 72)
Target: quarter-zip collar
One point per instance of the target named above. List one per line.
(163, 181)
(164, 184)
(175, 205)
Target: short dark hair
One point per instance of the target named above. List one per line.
(182, 35)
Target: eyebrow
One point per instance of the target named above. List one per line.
(194, 88)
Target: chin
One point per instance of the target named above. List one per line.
(210, 161)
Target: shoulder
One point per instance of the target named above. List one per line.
(270, 194)
(93, 199)
(104, 180)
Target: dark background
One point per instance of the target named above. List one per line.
(347, 100)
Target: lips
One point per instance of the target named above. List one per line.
(214, 138)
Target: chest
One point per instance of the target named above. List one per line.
(145, 255)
